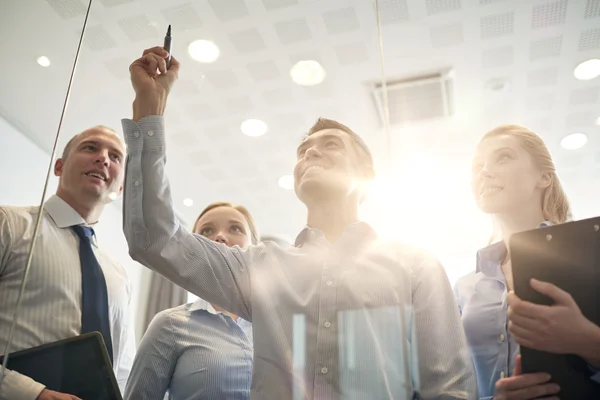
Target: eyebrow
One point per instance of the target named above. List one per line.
(97, 143)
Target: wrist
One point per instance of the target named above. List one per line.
(589, 348)
(144, 106)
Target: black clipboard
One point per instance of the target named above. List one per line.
(568, 256)
(78, 366)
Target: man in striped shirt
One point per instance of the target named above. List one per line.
(90, 172)
(342, 314)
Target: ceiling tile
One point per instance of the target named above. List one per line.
(138, 28)
(540, 102)
(228, 10)
(239, 104)
(222, 79)
(341, 21)
(542, 77)
(279, 97)
(497, 57)
(98, 39)
(392, 11)
(186, 87)
(263, 70)
(292, 31)
(549, 14)
(351, 53)
(592, 9)
(247, 41)
(200, 111)
(182, 17)
(497, 25)
(441, 6)
(446, 35)
(67, 9)
(114, 3)
(545, 48)
(271, 5)
(584, 96)
(585, 118)
(589, 39)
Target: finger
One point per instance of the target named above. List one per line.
(518, 367)
(525, 308)
(174, 67)
(554, 292)
(535, 392)
(158, 50)
(527, 323)
(152, 62)
(522, 381)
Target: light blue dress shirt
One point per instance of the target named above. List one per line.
(357, 319)
(194, 353)
(481, 298)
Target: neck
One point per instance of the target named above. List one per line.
(332, 216)
(217, 308)
(524, 219)
(90, 212)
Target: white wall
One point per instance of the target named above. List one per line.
(23, 169)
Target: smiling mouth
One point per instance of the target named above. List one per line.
(97, 175)
(313, 167)
(488, 191)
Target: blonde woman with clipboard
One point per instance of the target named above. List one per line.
(515, 181)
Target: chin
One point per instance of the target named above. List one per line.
(493, 207)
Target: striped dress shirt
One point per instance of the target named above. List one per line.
(356, 319)
(51, 307)
(193, 352)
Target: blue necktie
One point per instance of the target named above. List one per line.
(94, 296)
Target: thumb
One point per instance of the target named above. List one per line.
(518, 368)
(174, 67)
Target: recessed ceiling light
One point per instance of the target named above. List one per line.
(307, 73)
(598, 121)
(286, 182)
(574, 141)
(253, 127)
(587, 70)
(43, 61)
(203, 51)
(188, 202)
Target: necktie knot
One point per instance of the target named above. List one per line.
(84, 232)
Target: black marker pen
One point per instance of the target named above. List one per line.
(167, 46)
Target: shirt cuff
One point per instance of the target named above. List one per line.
(16, 386)
(148, 133)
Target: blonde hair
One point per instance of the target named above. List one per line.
(254, 235)
(555, 204)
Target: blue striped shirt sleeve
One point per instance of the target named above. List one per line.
(154, 362)
(156, 239)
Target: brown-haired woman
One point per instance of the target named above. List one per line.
(198, 351)
(514, 180)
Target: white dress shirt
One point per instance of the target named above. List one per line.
(356, 319)
(51, 307)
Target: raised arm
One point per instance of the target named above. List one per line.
(212, 271)
(445, 366)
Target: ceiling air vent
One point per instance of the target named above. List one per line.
(416, 99)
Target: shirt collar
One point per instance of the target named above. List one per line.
(63, 215)
(490, 258)
(356, 230)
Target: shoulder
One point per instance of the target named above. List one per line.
(413, 258)
(466, 283)
(17, 216)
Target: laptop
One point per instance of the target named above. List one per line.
(79, 366)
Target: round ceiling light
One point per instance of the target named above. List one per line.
(587, 70)
(307, 73)
(286, 182)
(253, 127)
(203, 51)
(188, 202)
(574, 141)
(43, 61)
